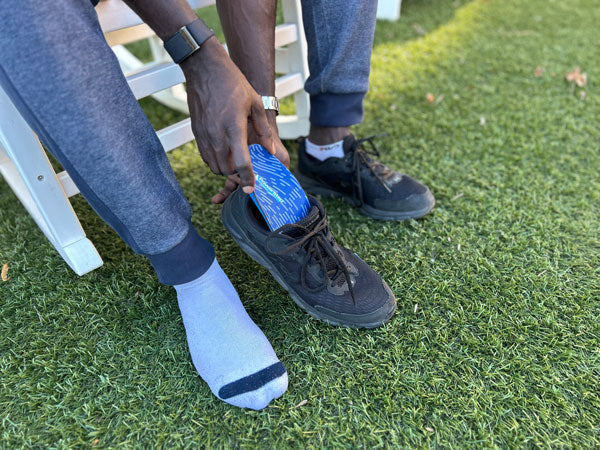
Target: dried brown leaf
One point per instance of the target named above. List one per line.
(577, 77)
(430, 97)
(4, 273)
(419, 29)
(539, 71)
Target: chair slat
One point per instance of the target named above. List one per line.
(175, 135)
(288, 84)
(171, 137)
(285, 34)
(116, 15)
(128, 35)
(163, 76)
(154, 79)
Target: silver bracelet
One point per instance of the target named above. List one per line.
(270, 102)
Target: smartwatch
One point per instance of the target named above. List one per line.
(187, 40)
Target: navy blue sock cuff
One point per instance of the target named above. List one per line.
(185, 262)
(336, 110)
(252, 382)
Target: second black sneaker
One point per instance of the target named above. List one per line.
(325, 279)
(377, 190)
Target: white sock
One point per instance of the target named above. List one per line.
(322, 152)
(228, 350)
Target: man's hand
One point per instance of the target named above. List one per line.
(249, 27)
(281, 153)
(221, 100)
(223, 106)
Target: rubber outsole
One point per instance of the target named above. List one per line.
(315, 188)
(239, 237)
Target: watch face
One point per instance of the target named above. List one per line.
(187, 40)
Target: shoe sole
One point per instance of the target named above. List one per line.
(250, 249)
(316, 188)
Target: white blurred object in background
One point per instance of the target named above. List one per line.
(389, 9)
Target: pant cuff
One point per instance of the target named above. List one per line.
(336, 110)
(185, 262)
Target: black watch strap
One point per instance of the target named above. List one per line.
(187, 40)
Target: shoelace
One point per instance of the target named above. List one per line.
(361, 156)
(314, 240)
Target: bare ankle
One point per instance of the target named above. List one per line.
(327, 135)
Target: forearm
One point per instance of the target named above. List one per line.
(164, 17)
(249, 28)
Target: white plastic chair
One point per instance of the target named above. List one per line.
(389, 9)
(45, 194)
(289, 46)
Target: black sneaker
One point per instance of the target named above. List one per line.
(307, 262)
(379, 192)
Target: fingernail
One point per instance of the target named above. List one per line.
(248, 189)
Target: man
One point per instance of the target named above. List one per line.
(64, 79)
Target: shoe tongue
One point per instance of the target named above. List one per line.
(311, 218)
(307, 222)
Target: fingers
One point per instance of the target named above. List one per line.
(230, 185)
(224, 160)
(215, 153)
(262, 128)
(240, 156)
(283, 155)
(208, 156)
(205, 148)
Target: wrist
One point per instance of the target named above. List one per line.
(209, 52)
(189, 39)
(271, 116)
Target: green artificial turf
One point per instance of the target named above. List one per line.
(496, 341)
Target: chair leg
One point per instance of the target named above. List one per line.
(389, 9)
(296, 55)
(175, 97)
(27, 170)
